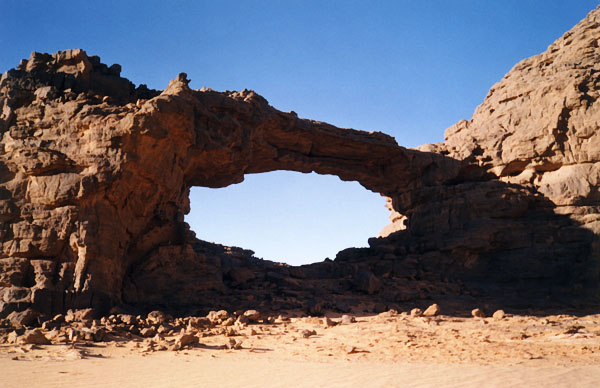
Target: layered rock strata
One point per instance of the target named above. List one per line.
(95, 177)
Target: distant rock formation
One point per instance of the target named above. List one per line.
(95, 177)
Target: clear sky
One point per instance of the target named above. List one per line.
(407, 68)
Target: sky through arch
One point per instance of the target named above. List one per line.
(301, 219)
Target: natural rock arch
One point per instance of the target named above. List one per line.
(109, 179)
(95, 175)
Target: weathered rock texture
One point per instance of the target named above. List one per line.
(95, 177)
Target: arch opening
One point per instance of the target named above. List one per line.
(287, 216)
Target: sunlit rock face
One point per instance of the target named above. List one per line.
(95, 177)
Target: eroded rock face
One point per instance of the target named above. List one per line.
(95, 177)
(537, 132)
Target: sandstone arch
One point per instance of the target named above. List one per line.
(109, 180)
(95, 174)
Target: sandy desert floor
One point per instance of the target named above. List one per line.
(385, 350)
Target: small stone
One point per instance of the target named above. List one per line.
(199, 322)
(388, 314)
(12, 337)
(233, 344)
(80, 315)
(156, 317)
(432, 310)
(34, 336)
(308, 333)
(158, 338)
(329, 322)
(127, 319)
(186, 339)
(218, 316)
(416, 312)
(87, 334)
(347, 319)
(350, 349)
(98, 334)
(252, 315)
(499, 315)
(148, 332)
(228, 322)
(477, 313)
(149, 347)
(53, 334)
(72, 334)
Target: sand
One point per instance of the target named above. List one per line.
(385, 350)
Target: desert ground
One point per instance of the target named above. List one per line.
(391, 349)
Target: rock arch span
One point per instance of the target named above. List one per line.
(95, 175)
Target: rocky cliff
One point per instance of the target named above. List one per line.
(95, 176)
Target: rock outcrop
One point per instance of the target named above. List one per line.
(95, 176)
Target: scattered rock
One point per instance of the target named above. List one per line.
(199, 322)
(477, 313)
(186, 339)
(347, 319)
(80, 315)
(228, 322)
(54, 323)
(388, 313)
(498, 315)
(216, 317)
(98, 334)
(127, 319)
(148, 332)
(34, 336)
(308, 333)
(431, 311)
(156, 318)
(73, 354)
(13, 337)
(329, 322)
(252, 315)
(233, 344)
(416, 312)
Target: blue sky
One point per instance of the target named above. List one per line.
(407, 68)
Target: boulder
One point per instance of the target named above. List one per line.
(34, 336)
